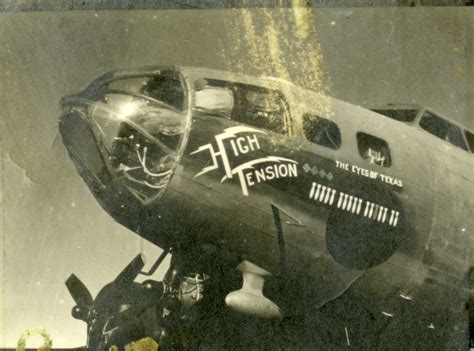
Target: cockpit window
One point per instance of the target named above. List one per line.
(165, 88)
(248, 104)
(402, 115)
(374, 149)
(322, 131)
(442, 129)
(259, 107)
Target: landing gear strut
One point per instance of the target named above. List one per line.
(169, 312)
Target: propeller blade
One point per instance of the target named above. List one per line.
(79, 291)
(129, 273)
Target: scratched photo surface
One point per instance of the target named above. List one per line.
(253, 154)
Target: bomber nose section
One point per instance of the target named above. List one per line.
(126, 136)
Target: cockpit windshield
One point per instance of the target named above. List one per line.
(401, 115)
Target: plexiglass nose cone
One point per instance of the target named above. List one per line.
(129, 131)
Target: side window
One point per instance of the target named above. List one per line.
(256, 106)
(374, 149)
(442, 129)
(322, 131)
(470, 140)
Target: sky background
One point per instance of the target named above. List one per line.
(51, 224)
